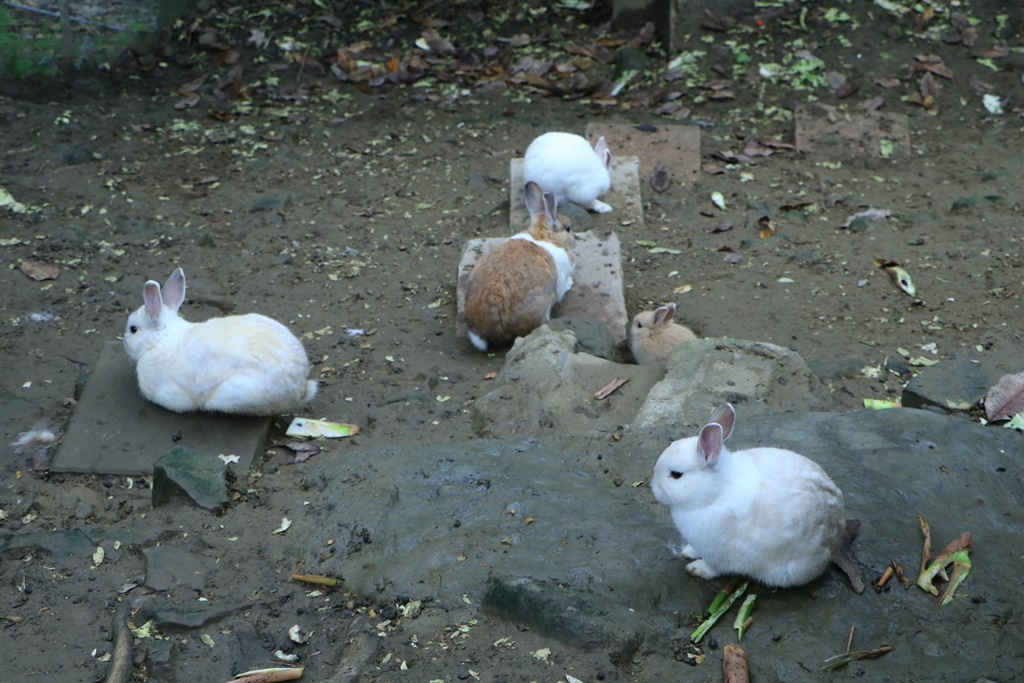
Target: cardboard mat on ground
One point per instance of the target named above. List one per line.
(669, 153)
(116, 431)
(827, 132)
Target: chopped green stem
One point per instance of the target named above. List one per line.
(746, 609)
(722, 609)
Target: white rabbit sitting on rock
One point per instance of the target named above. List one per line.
(242, 364)
(766, 513)
(565, 165)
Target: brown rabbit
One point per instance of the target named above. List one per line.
(653, 335)
(512, 289)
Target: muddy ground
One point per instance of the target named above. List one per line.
(342, 207)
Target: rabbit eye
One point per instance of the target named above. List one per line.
(639, 325)
(675, 475)
(133, 329)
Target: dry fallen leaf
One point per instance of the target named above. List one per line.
(187, 102)
(1005, 398)
(933, 64)
(610, 388)
(193, 85)
(720, 226)
(39, 271)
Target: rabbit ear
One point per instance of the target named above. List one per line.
(664, 314)
(534, 199)
(151, 295)
(551, 208)
(709, 443)
(603, 153)
(174, 290)
(726, 417)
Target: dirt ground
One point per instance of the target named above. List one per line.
(341, 206)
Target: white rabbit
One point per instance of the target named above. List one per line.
(242, 364)
(653, 335)
(766, 513)
(513, 287)
(565, 165)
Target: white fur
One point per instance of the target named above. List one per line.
(567, 166)
(246, 364)
(767, 513)
(564, 265)
(477, 341)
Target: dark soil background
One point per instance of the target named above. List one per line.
(325, 163)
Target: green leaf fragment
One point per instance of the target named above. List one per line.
(1016, 423)
(880, 404)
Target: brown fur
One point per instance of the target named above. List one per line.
(653, 335)
(513, 287)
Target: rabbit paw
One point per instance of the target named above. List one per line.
(702, 569)
(689, 552)
(598, 206)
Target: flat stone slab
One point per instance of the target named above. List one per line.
(834, 134)
(596, 292)
(676, 147)
(116, 431)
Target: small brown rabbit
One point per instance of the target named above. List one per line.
(512, 289)
(653, 335)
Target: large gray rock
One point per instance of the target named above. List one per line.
(446, 521)
(546, 386)
(958, 382)
(756, 377)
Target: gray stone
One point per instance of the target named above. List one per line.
(116, 431)
(591, 337)
(159, 654)
(190, 615)
(56, 543)
(547, 386)
(169, 567)
(274, 201)
(959, 382)
(756, 377)
(448, 519)
(552, 610)
(196, 476)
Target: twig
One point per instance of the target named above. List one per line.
(56, 15)
(121, 659)
(843, 660)
(849, 641)
(302, 66)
